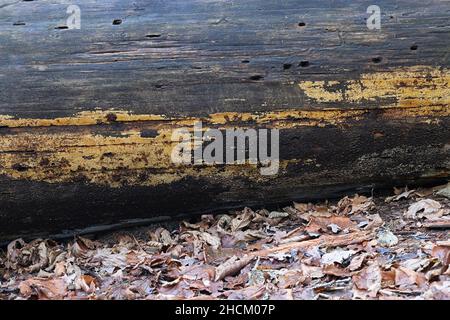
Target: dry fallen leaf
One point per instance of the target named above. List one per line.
(82, 247)
(405, 277)
(231, 266)
(242, 220)
(313, 251)
(291, 279)
(445, 192)
(438, 291)
(86, 283)
(211, 240)
(301, 207)
(335, 270)
(357, 204)
(321, 224)
(37, 256)
(369, 280)
(357, 262)
(312, 271)
(247, 293)
(163, 236)
(404, 195)
(423, 208)
(442, 252)
(43, 288)
(336, 256)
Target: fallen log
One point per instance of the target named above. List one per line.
(87, 115)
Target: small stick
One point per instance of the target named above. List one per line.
(325, 240)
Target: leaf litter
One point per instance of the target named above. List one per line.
(356, 248)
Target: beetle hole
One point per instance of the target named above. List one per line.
(19, 167)
(108, 155)
(304, 63)
(111, 117)
(256, 77)
(377, 59)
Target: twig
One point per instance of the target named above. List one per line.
(438, 224)
(326, 240)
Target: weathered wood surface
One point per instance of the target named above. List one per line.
(86, 115)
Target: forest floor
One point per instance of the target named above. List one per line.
(356, 248)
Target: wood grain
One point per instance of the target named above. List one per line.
(86, 115)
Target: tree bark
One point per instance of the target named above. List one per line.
(86, 115)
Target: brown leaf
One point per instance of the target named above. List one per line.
(322, 224)
(109, 260)
(40, 258)
(439, 291)
(60, 268)
(357, 262)
(43, 288)
(162, 236)
(82, 247)
(312, 272)
(291, 279)
(375, 221)
(405, 277)
(369, 279)
(248, 293)
(301, 207)
(445, 191)
(306, 211)
(357, 204)
(198, 272)
(248, 235)
(13, 253)
(334, 270)
(442, 252)
(237, 282)
(424, 208)
(205, 238)
(34, 256)
(86, 283)
(242, 220)
(231, 267)
(403, 195)
(388, 278)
